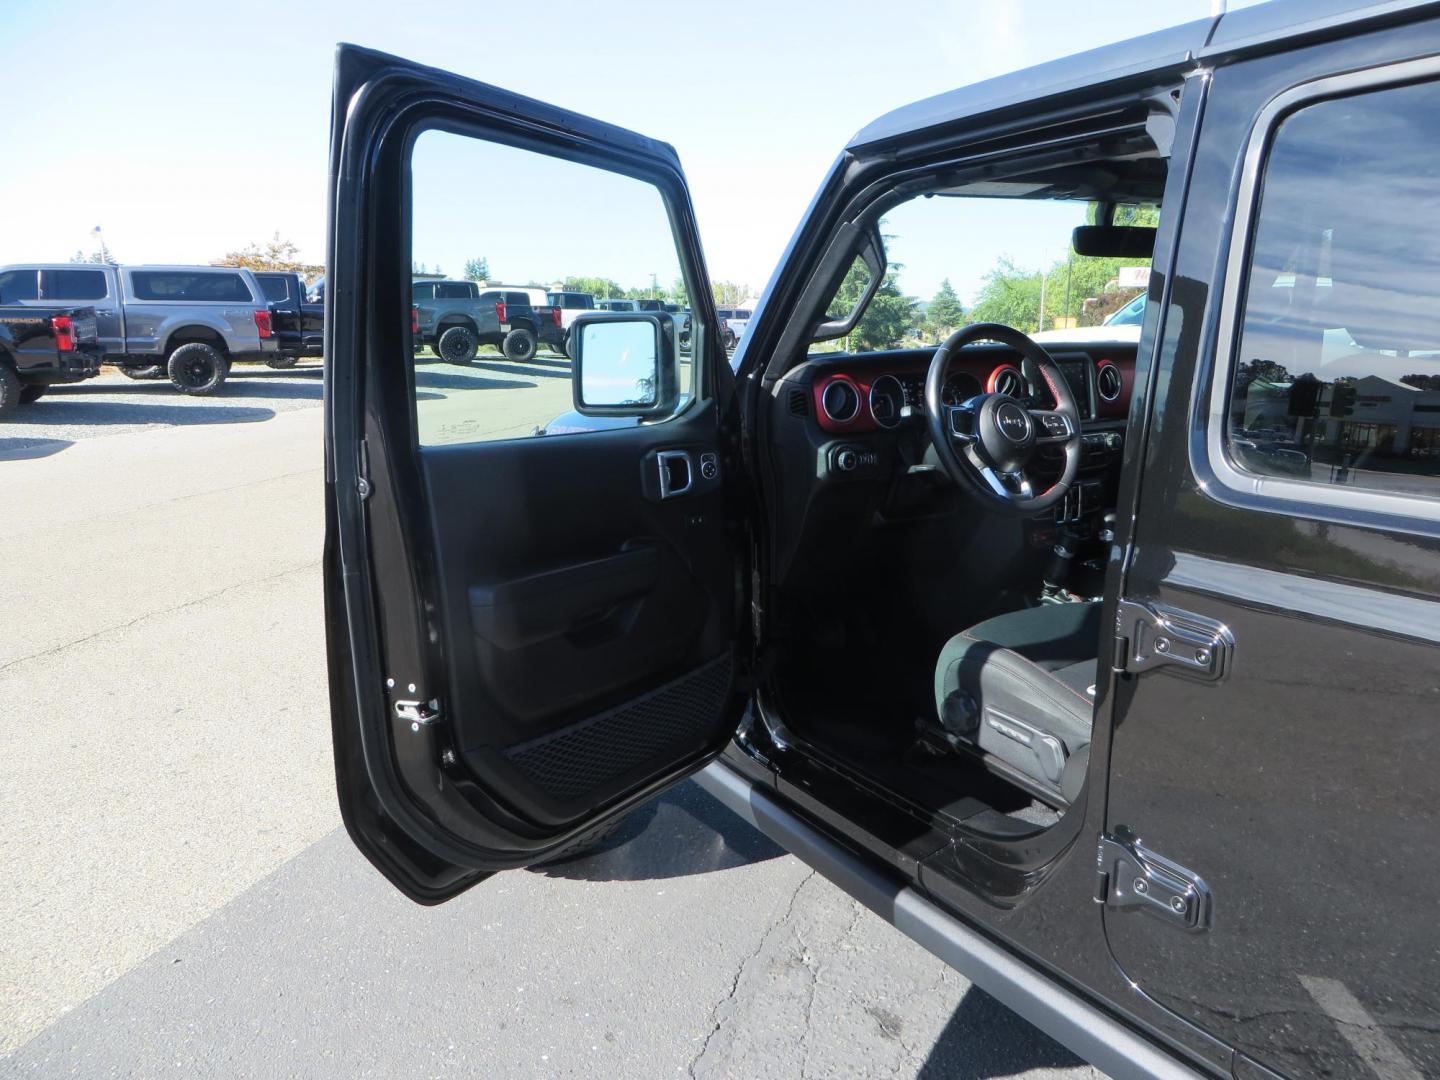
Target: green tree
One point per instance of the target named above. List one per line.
(477, 269)
(1010, 295)
(728, 293)
(945, 314)
(890, 316)
(679, 294)
(598, 287)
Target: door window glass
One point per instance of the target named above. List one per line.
(1337, 372)
(16, 285)
(74, 284)
(490, 212)
(273, 287)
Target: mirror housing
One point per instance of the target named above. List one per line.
(837, 264)
(625, 364)
(1114, 241)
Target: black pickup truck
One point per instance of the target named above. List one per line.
(298, 323)
(40, 347)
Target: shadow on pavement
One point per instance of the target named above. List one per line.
(54, 411)
(20, 449)
(552, 369)
(680, 833)
(437, 381)
(984, 1039)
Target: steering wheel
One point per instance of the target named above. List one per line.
(986, 442)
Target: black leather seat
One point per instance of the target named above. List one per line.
(1020, 690)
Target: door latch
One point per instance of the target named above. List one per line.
(1151, 635)
(1129, 875)
(417, 714)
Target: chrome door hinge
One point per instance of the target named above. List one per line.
(1151, 635)
(1130, 876)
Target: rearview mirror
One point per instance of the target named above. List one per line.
(625, 364)
(1114, 241)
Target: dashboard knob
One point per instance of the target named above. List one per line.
(846, 460)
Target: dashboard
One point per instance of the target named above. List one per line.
(880, 391)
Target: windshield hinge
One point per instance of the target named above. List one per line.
(1130, 876)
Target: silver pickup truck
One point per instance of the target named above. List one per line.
(186, 322)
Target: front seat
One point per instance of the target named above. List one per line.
(1019, 690)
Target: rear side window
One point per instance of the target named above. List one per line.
(273, 287)
(453, 290)
(18, 285)
(187, 285)
(74, 284)
(516, 298)
(1337, 372)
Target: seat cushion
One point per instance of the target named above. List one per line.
(1020, 687)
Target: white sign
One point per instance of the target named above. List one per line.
(1133, 277)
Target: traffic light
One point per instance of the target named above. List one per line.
(1342, 399)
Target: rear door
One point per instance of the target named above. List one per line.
(1278, 738)
(528, 633)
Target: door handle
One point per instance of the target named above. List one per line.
(1151, 635)
(676, 475)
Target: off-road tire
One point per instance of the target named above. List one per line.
(457, 345)
(520, 345)
(9, 388)
(280, 363)
(149, 371)
(197, 368)
(33, 392)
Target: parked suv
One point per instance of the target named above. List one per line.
(188, 322)
(1107, 670)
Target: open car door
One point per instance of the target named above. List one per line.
(531, 577)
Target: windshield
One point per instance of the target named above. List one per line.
(958, 259)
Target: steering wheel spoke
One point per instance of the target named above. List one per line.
(962, 422)
(1053, 426)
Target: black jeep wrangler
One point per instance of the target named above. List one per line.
(1106, 666)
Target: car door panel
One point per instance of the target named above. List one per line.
(1299, 785)
(526, 636)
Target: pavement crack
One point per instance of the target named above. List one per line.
(156, 614)
(763, 940)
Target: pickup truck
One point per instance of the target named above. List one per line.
(40, 347)
(529, 309)
(299, 324)
(455, 318)
(571, 305)
(188, 322)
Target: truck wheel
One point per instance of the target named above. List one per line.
(9, 388)
(457, 345)
(197, 368)
(149, 371)
(34, 392)
(519, 345)
(280, 363)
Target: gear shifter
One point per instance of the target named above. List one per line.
(1057, 572)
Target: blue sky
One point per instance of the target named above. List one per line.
(191, 129)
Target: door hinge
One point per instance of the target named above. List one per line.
(1152, 635)
(418, 714)
(1130, 876)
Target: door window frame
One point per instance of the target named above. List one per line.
(1210, 459)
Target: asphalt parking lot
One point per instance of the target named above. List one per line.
(180, 899)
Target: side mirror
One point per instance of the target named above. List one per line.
(625, 364)
(836, 266)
